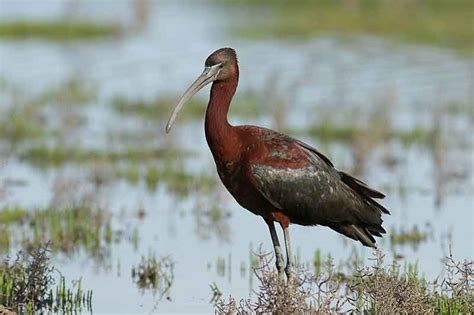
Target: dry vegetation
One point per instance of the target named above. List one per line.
(378, 289)
(27, 285)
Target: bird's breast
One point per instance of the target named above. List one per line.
(234, 177)
(230, 175)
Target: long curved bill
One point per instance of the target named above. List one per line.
(208, 75)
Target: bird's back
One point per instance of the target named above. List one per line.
(303, 184)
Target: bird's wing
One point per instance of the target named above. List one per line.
(302, 183)
(356, 184)
(310, 194)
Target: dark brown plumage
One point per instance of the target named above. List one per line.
(277, 177)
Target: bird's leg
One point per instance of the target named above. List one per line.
(290, 266)
(278, 254)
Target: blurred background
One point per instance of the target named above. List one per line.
(383, 88)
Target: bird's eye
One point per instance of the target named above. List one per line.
(221, 66)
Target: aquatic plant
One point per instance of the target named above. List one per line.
(169, 173)
(71, 91)
(44, 156)
(21, 122)
(412, 236)
(10, 215)
(216, 293)
(246, 105)
(152, 177)
(131, 173)
(317, 262)
(211, 221)
(157, 108)
(154, 274)
(28, 118)
(439, 22)
(28, 285)
(57, 30)
(329, 130)
(66, 229)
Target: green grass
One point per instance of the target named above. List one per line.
(131, 173)
(446, 23)
(57, 30)
(21, 123)
(460, 109)
(10, 215)
(413, 236)
(71, 91)
(152, 177)
(159, 108)
(45, 156)
(373, 125)
(152, 165)
(30, 281)
(27, 118)
(66, 229)
(328, 130)
(244, 106)
(166, 172)
(156, 275)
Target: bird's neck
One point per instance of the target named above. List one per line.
(221, 136)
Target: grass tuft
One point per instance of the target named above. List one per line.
(65, 229)
(27, 284)
(413, 236)
(57, 30)
(244, 106)
(45, 156)
(439, 22)
(374, 289)
(153, 274)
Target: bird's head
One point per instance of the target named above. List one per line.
(221, 65)
(225, 60)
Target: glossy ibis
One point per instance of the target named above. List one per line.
(278, 177)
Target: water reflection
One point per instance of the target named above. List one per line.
(154, 275)
(211, 217)
(81, 131)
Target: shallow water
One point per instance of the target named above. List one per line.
(324, 74)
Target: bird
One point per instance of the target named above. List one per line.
(277, 177)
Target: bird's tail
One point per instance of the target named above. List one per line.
(364, 191)
(363, 234)
(371, 226)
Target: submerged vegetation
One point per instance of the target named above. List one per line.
(74, 136)
(413, 236)
(374, 126)
(170, 174)
(65, 229)
(440, 22)
(28, 285)
(28, 120)
(57, 30)
(44, 156)
(158, 108)
(244, 106)
(330, 132)
(71, 91)
(154, 274)
(21, 123)
(368, 290)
